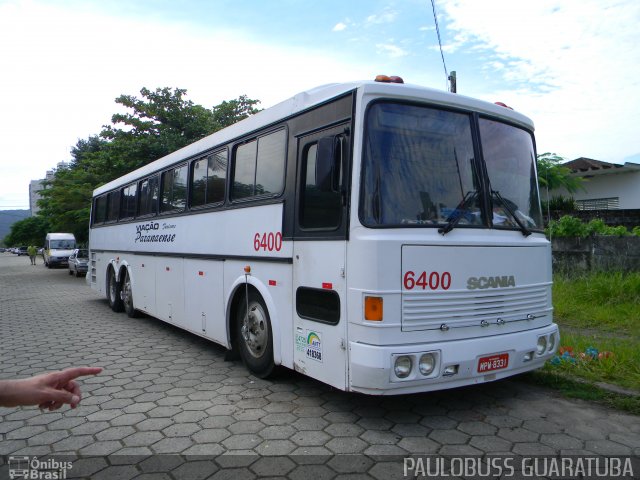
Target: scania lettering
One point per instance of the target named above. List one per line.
(491, 282)
(380, 237)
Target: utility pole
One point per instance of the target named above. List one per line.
(452, 82)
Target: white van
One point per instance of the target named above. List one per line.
(57, 248)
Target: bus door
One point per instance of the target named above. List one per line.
(319, 256)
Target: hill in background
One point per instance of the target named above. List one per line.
(8, 218)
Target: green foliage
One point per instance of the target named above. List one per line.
(569, 226)
(552, 174)
(636, 231)
(598, 311)
(154, 125)
(559, 203)
(609, 301)
(30, 231)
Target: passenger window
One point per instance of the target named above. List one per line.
(174, 189)
(100, 210)
(319, 209)
(148, 196)
(113, 206)
(259, 166)
(208, 179)
(128, 201)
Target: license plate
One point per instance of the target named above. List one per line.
(493, 362)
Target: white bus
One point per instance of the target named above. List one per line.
(380, 237)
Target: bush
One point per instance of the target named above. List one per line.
(569, 226)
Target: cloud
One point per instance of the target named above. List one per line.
(386, 16)
(392, 51)
(576, 59)
(63, 68)
(339, 27)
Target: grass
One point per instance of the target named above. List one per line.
(599, 312)
(608, 302)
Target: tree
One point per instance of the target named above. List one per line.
(552, 174)
(30, 231)
(158, 123)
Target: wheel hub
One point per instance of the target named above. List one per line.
(254, 331)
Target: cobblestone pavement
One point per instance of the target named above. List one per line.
(165, 391)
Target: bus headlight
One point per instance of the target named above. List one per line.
(542, 345)
(402, 367)
(427, 363)
(552, 342)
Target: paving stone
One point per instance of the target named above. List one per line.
(195, 470)
(101, 448)
(272, 466)
(449, 437)
(606, 447)
(154, 424)
(490, 443)
(181, 430)
(275, 447)
(142, 439)
(419, 445)
(115, 433)
(346, 445)
(559, 441)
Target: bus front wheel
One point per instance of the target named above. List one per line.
(113, 292)
(254, 336)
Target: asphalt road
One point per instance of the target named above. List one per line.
(169, 406)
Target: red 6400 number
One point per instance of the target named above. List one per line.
(267, 242)
(427, 280)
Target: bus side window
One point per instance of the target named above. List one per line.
(174, 189)
(128, 201)
(100, 210)
(259, 166)
(113, 206)
(148, 196)
(208, 179)
(321, 207)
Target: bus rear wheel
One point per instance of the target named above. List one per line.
(113, 292)
(127, 297)
(253, 331)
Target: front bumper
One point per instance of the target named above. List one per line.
(372, 370)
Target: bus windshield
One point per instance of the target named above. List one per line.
(419, 169)
(509, 155)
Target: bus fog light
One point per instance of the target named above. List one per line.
(542, 345)
(427, 363)
(552, 342)
(402, 366)
(528, 356)
(450, 370)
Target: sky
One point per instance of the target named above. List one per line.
(573, 66)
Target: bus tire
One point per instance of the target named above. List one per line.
(127, 297)
(113, 292)
(254, 335)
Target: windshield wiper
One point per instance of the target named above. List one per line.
(458, 213)
(525, 231)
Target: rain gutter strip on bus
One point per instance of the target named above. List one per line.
(204, 256)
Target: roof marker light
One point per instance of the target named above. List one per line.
(389, 79)
(503, 105)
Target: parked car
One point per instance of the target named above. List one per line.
(22, 251)
(79, 262)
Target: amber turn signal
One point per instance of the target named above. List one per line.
(373, 309)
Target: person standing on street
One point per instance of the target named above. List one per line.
(32, 251)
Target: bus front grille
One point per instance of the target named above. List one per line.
(465, 308)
